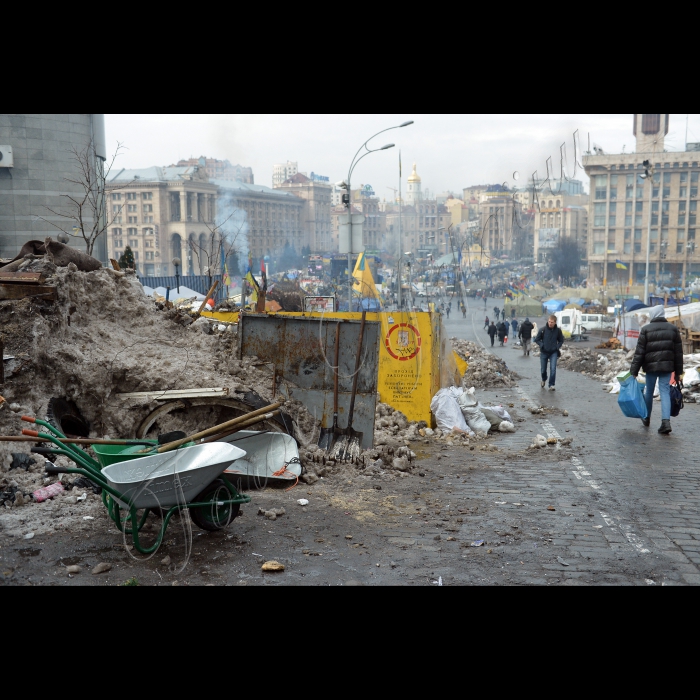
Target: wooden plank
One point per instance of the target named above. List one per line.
(21, 291)
(22, 277)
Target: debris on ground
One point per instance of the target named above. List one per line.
(272, 566)
(485, 370)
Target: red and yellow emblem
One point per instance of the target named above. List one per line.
(403, 342)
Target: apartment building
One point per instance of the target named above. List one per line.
(627, 210)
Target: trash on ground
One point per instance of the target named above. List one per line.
(272, 566)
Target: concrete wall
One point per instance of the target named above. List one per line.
(41, 145)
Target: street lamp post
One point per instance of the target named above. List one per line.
(177, 262)
(410, 280)
(347, 198)
(648, 175)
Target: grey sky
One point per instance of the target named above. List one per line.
(452, 150)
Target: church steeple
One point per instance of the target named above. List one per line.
(414, 194)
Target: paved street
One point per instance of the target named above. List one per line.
(620, 507)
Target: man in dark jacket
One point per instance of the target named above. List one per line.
(492, 332)
(550, 339)
(660, 353)
(502, 332)
(525, 334)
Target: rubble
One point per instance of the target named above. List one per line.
(485, 370)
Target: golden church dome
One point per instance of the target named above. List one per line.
(414, 175)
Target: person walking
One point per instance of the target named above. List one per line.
(525, 334)
(550, 339)
(447, 311)
(502, 332)
(495, 312)
(486, 323)
(514, 326)
(659, 353)
(492, 332)
(464, 311)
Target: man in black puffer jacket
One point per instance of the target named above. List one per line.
(660, 353)
(550, 339)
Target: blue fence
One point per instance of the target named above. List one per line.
(199, 283)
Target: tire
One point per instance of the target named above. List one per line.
(584, 330)
(214, 518)
(65, 416)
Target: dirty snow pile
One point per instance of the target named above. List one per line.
(104, 336)
(597, 365)
(486, 371)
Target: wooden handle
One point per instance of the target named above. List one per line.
(209, 293)
(217, 428)
(241, 426)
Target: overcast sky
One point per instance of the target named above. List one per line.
(452, 150)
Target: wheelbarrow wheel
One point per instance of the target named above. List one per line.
(215, 517)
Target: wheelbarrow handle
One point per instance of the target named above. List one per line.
(31, 433)
(51, 468)
(28, 419)
(45, 451)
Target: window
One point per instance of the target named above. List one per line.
(628, 213)
(679, 247)
(613, 186)
(132, 207)
(664, 234)
(667, 178)
(116, 208)
(599, 248)
(684, 177)
(148, 244)
(680, 235)
(683, 192)
(652, 248)
(694, 177)
(638, 234)
(691, 234)
(667, 192)
(601, 186)
(628, 234)
(628, 248)
(150, 255)
(116, 196)
(131, 195)
(116, 232)
(637, 247)
(655, 234)
(131, 232)
(148, 207)
(681, 218)
(599, 219)
(613, 213)
(133, 220)
(133, 243)
(639, 207)
(147, 195)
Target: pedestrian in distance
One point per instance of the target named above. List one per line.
(492, 332)
(502, 332)
(486, 323)
(447, 310)
(525, 335)
(659, 353)
(550, 339)
(514, 326)
(464, 311)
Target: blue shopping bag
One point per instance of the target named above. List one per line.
(631, 399)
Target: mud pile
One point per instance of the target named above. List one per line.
(602, 366)
(485, 371)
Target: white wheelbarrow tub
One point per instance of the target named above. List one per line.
(265, 455)
(172, 478)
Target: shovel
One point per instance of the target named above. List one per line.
(328, 435)
(350, 445)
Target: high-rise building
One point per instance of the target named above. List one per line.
(627, 211)
(219, 169)
(316, 214)
(39, 172)
(283, 171)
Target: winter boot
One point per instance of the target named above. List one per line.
(665, 428)
(646, 422)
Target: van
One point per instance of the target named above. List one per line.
(590, 322)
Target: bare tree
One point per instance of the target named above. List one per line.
(218, 245)
(86, 214)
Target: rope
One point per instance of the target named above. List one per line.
(281, 472)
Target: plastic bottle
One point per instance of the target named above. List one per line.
(47, 492)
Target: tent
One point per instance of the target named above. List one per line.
(554, 305)
(633, 305)
(524, 307)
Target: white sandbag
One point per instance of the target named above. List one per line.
(499, 411)
(476, 420)
(506, 427)
(447, 413)
(467, 398)
(692, 377)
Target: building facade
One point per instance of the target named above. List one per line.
(39, 159)
(628, 212)
(164, 214)
(283, 171)
(316, 213)
(219, 169)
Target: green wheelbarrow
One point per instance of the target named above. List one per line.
(139, 482)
